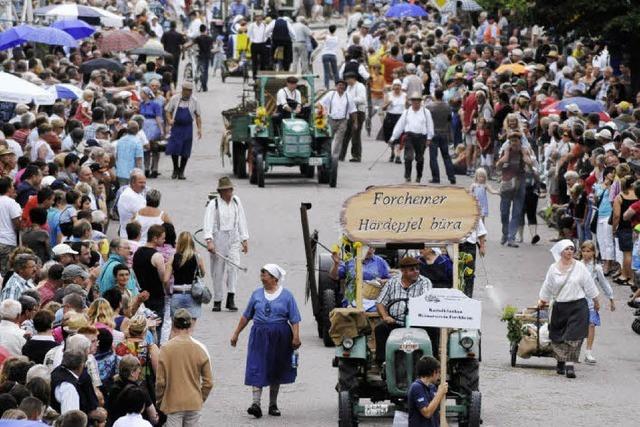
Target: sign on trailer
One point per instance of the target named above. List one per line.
(410, 214)
(445, 308)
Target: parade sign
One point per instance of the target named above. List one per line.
(445, 308)
(410, 214)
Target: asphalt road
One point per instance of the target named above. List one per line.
(528, 395)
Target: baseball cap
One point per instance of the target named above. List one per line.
(73, 270)
(63, 249)
(182, 319)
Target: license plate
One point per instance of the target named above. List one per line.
(375, 409)
(315, 161)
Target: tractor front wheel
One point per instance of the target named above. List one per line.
(346, 415)
(328, 303)
(333, 173)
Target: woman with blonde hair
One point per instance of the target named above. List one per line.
(184, 266)
(101, 316)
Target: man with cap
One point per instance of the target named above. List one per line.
(258, 38)
(183, 110)
(64, 254)
(409, 285)
(339, 107)
(416, 125)
(226, 233)
(8, 161)
(74, 274)
(288, 102)
(358, 93)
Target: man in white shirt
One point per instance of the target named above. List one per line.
(288, 100)
(156, 27)
(132, 199)
(474, 244)
(10, 212)
(416, 125)
(65, 382)
(258, 37)
(226, 233)
(11, 336)
(358, 93)
(300, 50)
(339, 107)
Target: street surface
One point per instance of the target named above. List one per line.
(531, 394)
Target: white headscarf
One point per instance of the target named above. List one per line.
(556, 250)
(276, 271)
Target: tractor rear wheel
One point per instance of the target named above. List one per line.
(259, 166)
(473, 418)
(307, 171)
(346, 416)
(328, 303)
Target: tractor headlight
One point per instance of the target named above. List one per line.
(466, 343)
(347, 343)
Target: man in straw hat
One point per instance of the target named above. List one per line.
(416, 125)
(226, 233)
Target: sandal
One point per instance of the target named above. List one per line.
(620, 281)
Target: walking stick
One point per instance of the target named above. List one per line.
(379, 157)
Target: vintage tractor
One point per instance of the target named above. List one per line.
(303, 142)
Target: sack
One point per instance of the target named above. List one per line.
(199, 291)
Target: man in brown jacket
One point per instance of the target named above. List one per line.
(184, 377)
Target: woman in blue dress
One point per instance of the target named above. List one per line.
(274, 336)
(152, 127)
(182, 111)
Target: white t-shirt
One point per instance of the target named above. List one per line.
(129, 204)
(9, 210)
(132, 420)
(331, 46)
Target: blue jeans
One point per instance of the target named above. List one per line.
(330, 65)
(511, 202)
(204, 63)
(439, 142)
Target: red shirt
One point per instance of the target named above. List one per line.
(47, 292)
(590, 182)
(390, 64)
(636, 218)
(32, 202)
(468, 107)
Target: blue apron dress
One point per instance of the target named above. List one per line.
(181, 138)
(270, 347)
(150, 126)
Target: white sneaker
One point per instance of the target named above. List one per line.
(588, 358)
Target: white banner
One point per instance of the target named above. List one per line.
(445, 308)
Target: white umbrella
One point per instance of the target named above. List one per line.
(15, 89)
(92, 15)
(465, 5)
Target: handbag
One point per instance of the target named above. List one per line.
(199, 291)
(594, 219)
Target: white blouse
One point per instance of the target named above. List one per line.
(397, 103)
(579, 285)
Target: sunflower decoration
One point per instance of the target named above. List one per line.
(465, 260)
(321, 117)
(261, 118)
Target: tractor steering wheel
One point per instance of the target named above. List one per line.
(397, 301)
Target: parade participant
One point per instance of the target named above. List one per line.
(188, 359)
(567, 287)
(394, 105)
(258, 37)
(436, 267)
(183, 110)
(172, 42)
(153, 130)
(282, 36)
(374, 269)
(441, 114)
(329, 55)
(424, 397)
(353, 65)
(205, 46)
(587, 255)
(226, 233)
(275, 335)
(410, 284)
(339, 108)
(184, 266)
(416, 126)
(289, 98)
(358, 93)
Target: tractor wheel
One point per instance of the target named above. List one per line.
(324, 282)
(328, 303)
(253, 176)
(467, 374)
(323, 175)
(307, 171)
(636, 325)
(333, 173)
(240, 160)
(346, 416)
(259, 166)
(473, 418)
(347, 375)
(514, 353)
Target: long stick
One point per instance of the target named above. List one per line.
(228, 261)
(379, 157)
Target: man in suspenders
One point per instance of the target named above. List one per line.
(226, 233)
(339, 107)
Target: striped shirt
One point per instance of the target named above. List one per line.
(394, 290)
(15, 286)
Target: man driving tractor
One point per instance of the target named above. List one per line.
(289, 101)
(410, 285)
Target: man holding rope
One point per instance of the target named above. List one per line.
(226, 233)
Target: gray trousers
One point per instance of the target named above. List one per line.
(183, 419)
(300, 55)
(339, 128)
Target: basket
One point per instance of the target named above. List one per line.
(371, 290)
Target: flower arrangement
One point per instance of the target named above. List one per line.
(261, 118)
(464, 271)
(321, 117)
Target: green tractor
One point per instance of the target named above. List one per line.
(297, 142)
(387, 390)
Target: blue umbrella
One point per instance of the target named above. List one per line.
(405, 10)
(65, 91)
(586, 105)
(21, 423)
(27, 33)
(76, 28)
